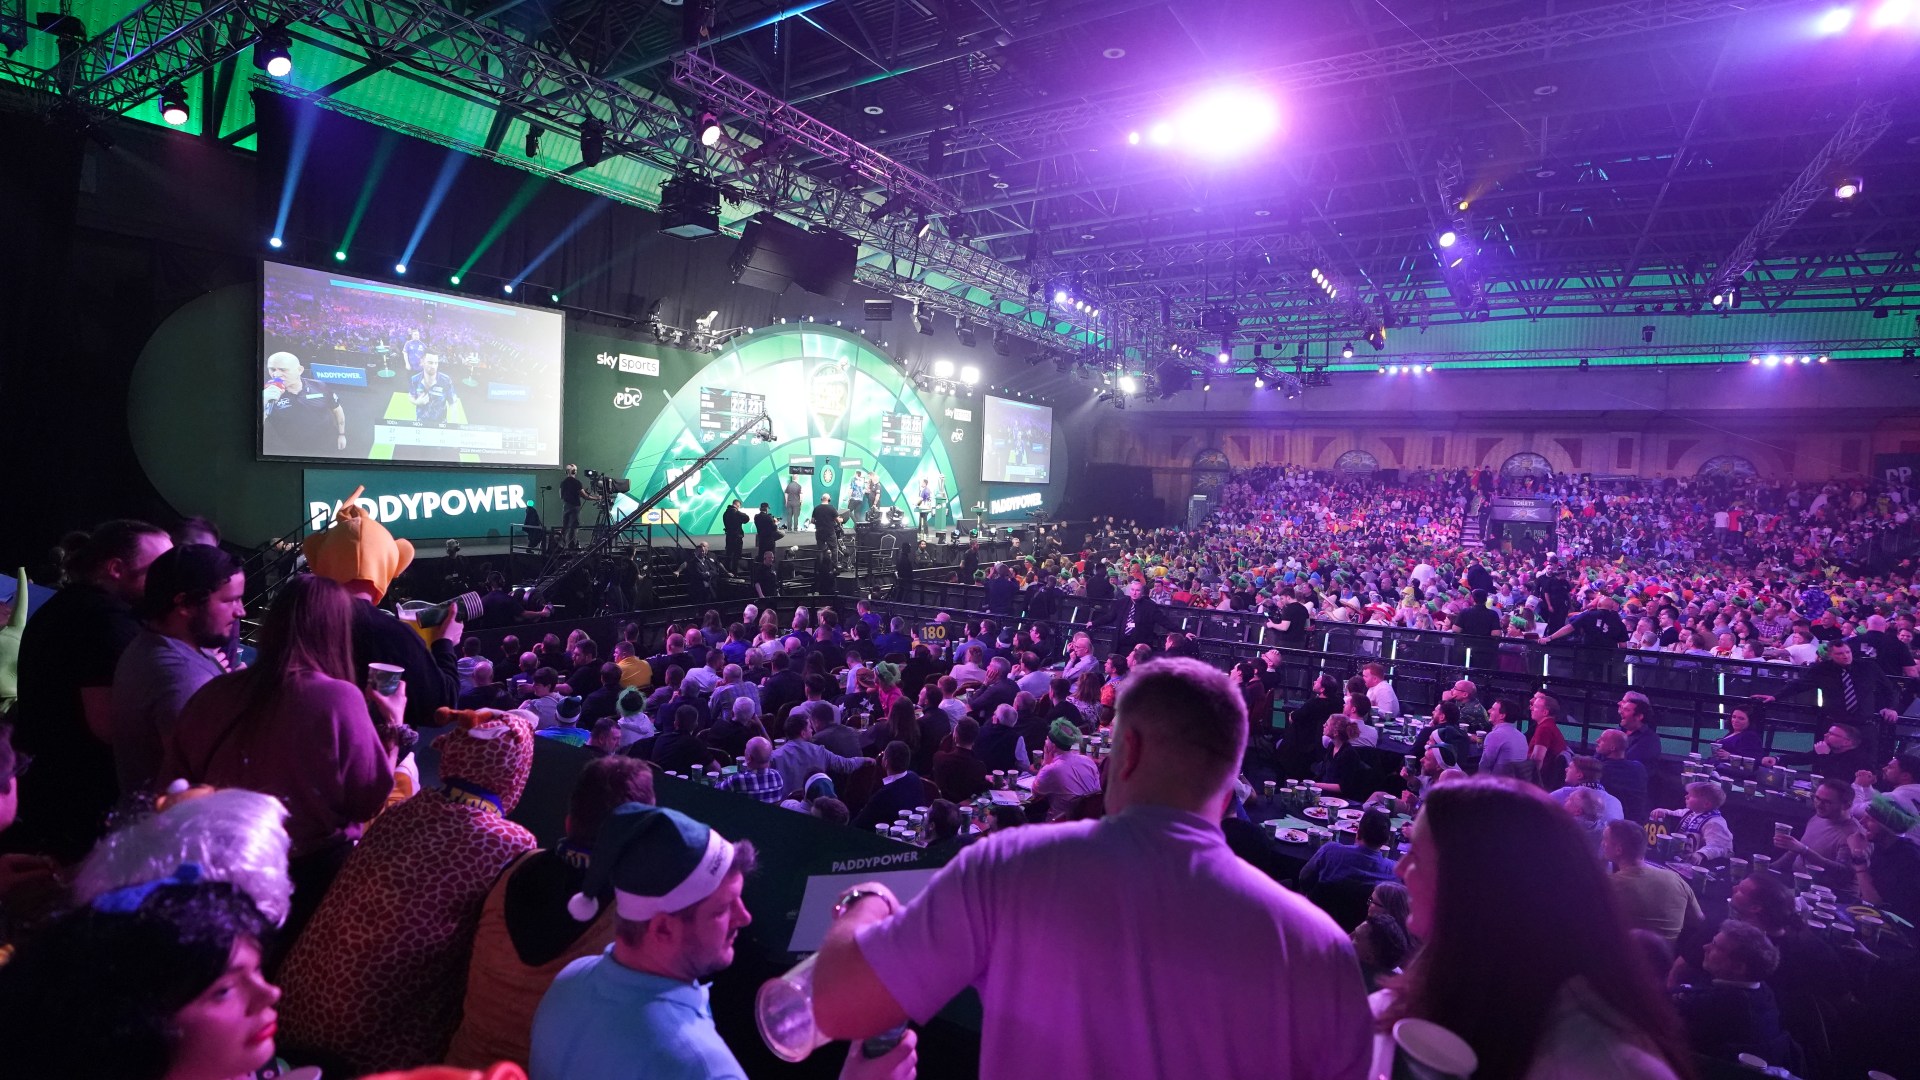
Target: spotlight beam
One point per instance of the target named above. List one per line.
(296, 165)
(592, 211)
(528, 190)
(376, 168)
(442, 183)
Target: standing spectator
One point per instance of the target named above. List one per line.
(64, 718)
(1622, 777)
(1853, 690)
(1577, 1001)
(1547, 746)
(191, 603)
(800, 757)
(734, 521)
(297, 726)
(1175, 999)
(1643, 739)
(1649, 897)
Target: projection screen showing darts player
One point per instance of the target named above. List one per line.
(1018, 443)
(360, 370)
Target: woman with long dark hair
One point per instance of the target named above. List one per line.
(298, 726)
(1746, 735)
(1511, 906)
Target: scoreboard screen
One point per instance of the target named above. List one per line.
(722, 411)
(902, 435)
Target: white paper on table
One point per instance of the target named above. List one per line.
(824, 890)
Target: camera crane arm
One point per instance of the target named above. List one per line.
(559, 567)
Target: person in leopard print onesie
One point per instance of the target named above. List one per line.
(377, 979)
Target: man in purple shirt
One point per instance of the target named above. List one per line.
(1137, 945)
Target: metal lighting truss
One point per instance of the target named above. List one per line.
(1462, 276)
(1553, 32)
(1862, 128)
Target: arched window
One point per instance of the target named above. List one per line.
(1731, 466)
(1524, 465)
(1356, 461)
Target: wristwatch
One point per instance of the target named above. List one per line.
(854, 896)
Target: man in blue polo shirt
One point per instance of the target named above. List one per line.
(640, 1009)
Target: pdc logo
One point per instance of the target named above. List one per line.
(626, 399)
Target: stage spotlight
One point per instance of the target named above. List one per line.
(1585, 363)
(1060, 297)
(533, 142)
(1429, 369)
(1129, 385)
(593, 143)
(454, 280)
(339, 256)
(1892, 13)
(273, 53)
(1646, 333)
(1822, 358)
(1806, 359)
(966, 334)
(1393, 369)
(1226, 357)
(1259, 382)
(400, 268)
(970, 375)
(943, 369)
(922, 319)
(1205, 386)
(1381, 369)
(1719, 299)
(1346, 351)
(1848, 187)
(1223, 122)
(173, 106)
(710, 130)
(1448, 238)
(507, 288)
(1835, 21)
(274, 242)
(1753, 358)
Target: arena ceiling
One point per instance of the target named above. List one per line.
(1591, 157)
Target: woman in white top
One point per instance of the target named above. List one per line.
(1512, 906)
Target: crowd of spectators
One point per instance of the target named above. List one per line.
(1133, 900)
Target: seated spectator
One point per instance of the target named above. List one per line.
(1823, 842)
(757, 779)
(603, 699)
(1726, 1007)
(1886, 863)
(635, 672)
(605, 738)
(155, 980)
(830, 810)
(1363, 861)
(1744, 738)
(297, 725)
(1584, 773)
(800, 757)
(1576, 1000)
(376, 982)
(1585, 805)
(1382, 943)
(485, 692)
(634, 722)
(1065, 770)
(1623, 778)
(1505, 751)
(1901, 777)
(819, 786)
(900, 790)
(1701, 822)
(733, 687)
(1345, 771)
(943, 824)
(543, 701)
(1648, 897)
(526, 934)
(959, 772)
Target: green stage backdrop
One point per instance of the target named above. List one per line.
(632, 409)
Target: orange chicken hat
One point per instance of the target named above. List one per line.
(357, 548)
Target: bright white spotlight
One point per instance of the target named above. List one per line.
(1259, 383)
(173, 105)
(1160, 134)
(1448, 238)
(1823, 358)
(1060, 297)
(1227, 122)
(1848, 187)
(1133, 138)
(1835, 21)
(943, 369)
(274, 241)
(969, 374)
(1226, 357)
(400, 268)
(1892, 13)
(1128, 384)
(507, 288)
(1393, 369)
(1806, 359)
(1719, 298)
(1429, 369)
(1770, 360)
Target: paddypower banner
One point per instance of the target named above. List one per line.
(418, 503)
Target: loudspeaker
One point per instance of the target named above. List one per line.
(773, 254)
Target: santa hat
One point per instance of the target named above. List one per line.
(649, 861)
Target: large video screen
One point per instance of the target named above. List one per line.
(358, 370)
(1017, 444)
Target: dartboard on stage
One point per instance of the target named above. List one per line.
(832, 398)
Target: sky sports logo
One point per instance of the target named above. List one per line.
(420, 505)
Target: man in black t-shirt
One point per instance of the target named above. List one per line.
(1477, 621)
(826, 521)
(766, 530)
(1292, 621)
(68, 653)
(570, 492)
(766, 575)
(300, 418)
